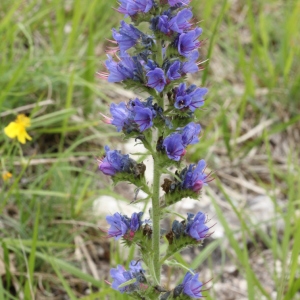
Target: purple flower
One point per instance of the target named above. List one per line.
(196, 227)
(190, 134)
(156, 79)
(180, 23)
(191, 66)
(128, 63)
(127, 36)
(187, 42)
(173, 146)
(106, 168)
(135, 103)
(143, 113)
(119, 71)
(111, 163)
(135, 221)
(163, 24)
(197, 98)
(180, 2)
(194, 177)
(151, 65)
(192, 286)
(173, 71)
(120, 276)
(123, 7)
(115, 72)
(134, 116)
(120, 114)
(114, 162)
(143, 117)
(175, 143)
(132, 7)
(135, 267)
(140, 5)
(182, 99)
(119, 226)
(181, 90)
(191, 98)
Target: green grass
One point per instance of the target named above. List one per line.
(49, 54)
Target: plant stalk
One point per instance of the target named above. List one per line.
(156, 219)
(156, 187)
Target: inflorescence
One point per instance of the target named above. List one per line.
(156, 62)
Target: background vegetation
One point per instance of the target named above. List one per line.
(49, 53)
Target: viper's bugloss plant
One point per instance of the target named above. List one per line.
(156, 62)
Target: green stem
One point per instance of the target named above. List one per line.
(156, 219)
(159, 53)
(156, 185)
(165, 258)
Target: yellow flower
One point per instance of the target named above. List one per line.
(6, 176)
(17, 129)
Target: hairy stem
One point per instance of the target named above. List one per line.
(156, 219)
(156, 185)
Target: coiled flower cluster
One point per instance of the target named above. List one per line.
(156, 62)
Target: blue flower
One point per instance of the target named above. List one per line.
(122, 226)
(190, 134)
(180, 23)
(196, 227)
(143, 117)
(182, 99)
(122, 70)
(180, 90)
(191, 98)
(134, 116)
(197, 98)
(140, 5)
(135, 267)
(120, 114)
(119, 226)
(151, 65)
(175, 143)
(191, 66)
(173, 71)
(135, 221)
(163, 24)
(194, 178)
(111, 163)
(132, 7)
(127, 36)
(187, 42)
(114, 162)
(143, 112)
(192, 286)
(174, 147)
(178, 2)
(167, 24)
(135, 103)
(156, 79)
(120, 276)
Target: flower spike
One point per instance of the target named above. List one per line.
(156, 64)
